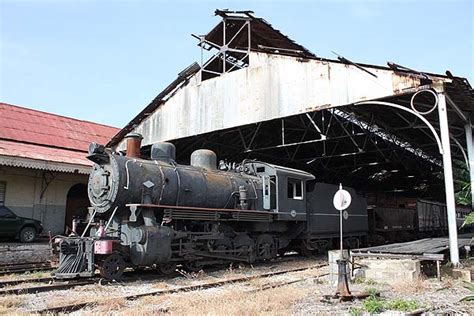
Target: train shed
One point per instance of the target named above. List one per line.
(261, 95)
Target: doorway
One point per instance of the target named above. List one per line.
(77, 203)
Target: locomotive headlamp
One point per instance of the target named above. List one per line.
(97, 153)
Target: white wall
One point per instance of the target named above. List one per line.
(23, 193)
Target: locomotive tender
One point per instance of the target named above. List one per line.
(157, 213)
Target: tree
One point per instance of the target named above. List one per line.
(462, 188)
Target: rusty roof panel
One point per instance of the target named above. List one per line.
(37, 152)
(263, 37)
(19, 124)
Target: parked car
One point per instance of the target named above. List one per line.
(22, 228)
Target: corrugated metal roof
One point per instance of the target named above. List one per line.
(35, 127)
(40, 140)
(264, 36)
(37, 152)
(266, 39)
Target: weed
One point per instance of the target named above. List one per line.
(371, 282)
(372, 291)
(358, 280)
(356, 311)
(373, 304)
(470, 297)
(402, 305)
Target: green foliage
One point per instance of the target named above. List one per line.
(469, 219)
(402, 305)
(462, 188)
(373, 304)
(370, 282)
(358, 280)
(462, 183)
(470, 287)
(356, 311)
(372, 291)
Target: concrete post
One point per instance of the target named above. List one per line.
(448, 179)
(470, 157)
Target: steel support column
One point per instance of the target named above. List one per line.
(448, 178)
(470, 156)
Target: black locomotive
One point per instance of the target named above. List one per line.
(157, 213)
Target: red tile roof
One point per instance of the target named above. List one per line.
(33, 134)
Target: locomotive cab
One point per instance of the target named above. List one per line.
(284, 190)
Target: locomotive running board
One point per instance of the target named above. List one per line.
(213, 214)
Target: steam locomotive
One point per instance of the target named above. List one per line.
(155, 213)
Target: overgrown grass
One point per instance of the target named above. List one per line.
(231, 300)
(9, 304)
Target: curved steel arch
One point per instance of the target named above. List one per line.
(397, 106)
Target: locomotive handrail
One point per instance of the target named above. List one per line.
(192, 208)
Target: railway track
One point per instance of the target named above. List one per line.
(24, 267)
(131, 276)
(207, 285)
(46, 288)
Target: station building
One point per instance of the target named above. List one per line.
(43, 169)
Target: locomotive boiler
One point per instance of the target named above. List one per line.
(157, 213)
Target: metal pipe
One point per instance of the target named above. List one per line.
(470, 155)
(224, 45)
(110, 219)
(89, 224)
(341, 243)
(448, 179)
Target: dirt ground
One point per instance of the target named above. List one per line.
(263, 296)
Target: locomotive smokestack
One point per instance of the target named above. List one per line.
(134, 142)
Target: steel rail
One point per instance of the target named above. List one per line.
(25, 280)
(46, 288)
(78, 306)
(143, 275)
(24, 267)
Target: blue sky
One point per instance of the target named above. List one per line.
(104, 61)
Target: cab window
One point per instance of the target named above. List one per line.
(295, 189)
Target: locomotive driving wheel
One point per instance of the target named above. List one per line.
(193, 266)
(244, 247)
(265, 247)
(112, 267)
(166, 268)
(223, 245)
